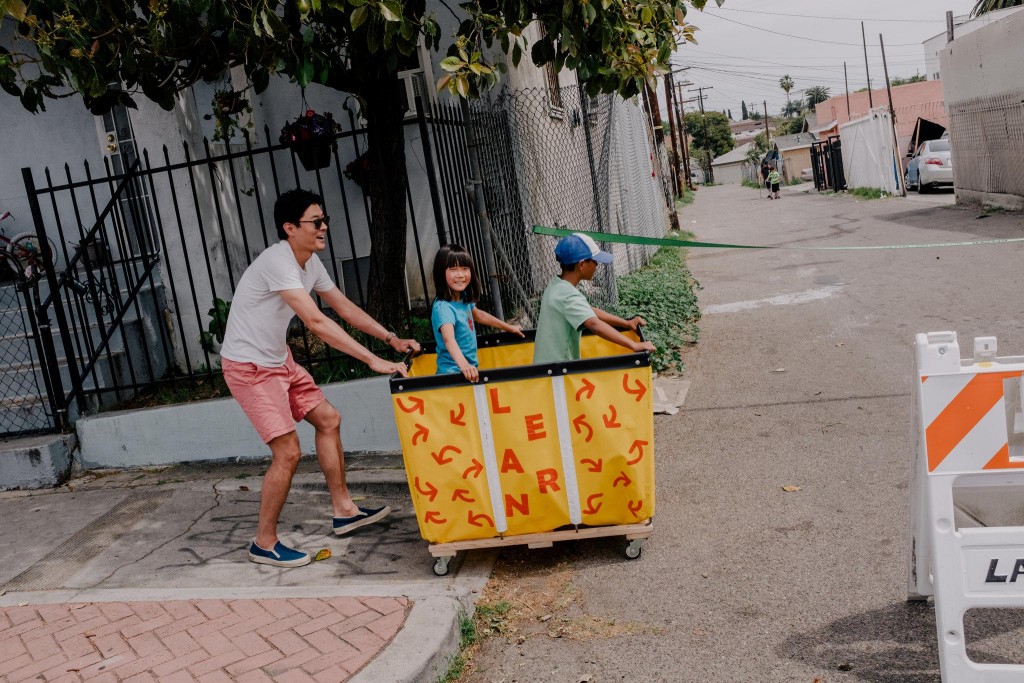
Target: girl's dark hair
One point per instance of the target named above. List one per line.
(450, 256)
(290, 206)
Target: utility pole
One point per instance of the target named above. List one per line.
(681, 116)
(680, 131)
(846, 80)
(670, 103)
(767, 135)
(949, 27)
(704, 124)
(871, 104)
(892, 114)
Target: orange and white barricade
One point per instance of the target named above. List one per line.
(969, 432)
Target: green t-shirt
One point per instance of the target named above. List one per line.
(773, 177)
(563, 310)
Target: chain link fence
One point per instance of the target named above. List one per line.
(581, 163)
(23, 401)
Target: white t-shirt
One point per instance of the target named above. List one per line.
(258, 322)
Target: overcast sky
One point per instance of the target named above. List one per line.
(746, 62)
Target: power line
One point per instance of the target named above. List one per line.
(790, 35)
(818, 16)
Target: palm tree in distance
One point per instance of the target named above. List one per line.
(786, 83)
(984, 6)
(816, 94)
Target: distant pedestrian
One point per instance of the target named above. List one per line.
(773, 181)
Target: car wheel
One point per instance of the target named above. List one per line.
(921, 188)
(906, 182)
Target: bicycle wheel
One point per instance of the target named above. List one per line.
(26, 248)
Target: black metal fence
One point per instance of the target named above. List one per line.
(137, 294)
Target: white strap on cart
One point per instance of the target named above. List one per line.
(967, 414)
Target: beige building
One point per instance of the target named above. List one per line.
(795, 152)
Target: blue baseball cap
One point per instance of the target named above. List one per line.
(575, 248)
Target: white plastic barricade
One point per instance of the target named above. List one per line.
(969, 432)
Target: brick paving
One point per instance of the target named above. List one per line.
(307, 639)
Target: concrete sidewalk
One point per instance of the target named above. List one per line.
(143, 576)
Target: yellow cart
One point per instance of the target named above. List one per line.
(530, 454)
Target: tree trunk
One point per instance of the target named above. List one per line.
(387, 189)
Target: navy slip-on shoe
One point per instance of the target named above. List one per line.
(343, 525)
(280, 556)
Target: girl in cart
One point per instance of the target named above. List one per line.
(454, 312)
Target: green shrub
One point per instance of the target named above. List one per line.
(752, 183)
(866, 192)
(664, 293)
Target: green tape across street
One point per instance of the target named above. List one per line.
(665, 242)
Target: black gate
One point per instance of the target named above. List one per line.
(827, 165)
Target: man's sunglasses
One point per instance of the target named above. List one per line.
(317, 222)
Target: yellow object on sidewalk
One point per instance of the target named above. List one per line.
(529, 448)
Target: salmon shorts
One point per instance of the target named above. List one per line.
(273, 399)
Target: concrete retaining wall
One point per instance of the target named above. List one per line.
(35, 462)
(218, 430)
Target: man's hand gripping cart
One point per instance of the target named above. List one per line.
(530, 454)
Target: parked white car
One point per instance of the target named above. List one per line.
(931, 167)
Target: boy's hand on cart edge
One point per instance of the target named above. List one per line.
(636, 322)
(643, 346)
(404, 345)
(386, 367)
(517, 330)
(470, 372)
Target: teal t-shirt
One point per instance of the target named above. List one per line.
(459, 314)
(563, 310)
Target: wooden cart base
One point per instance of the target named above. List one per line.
(634, 533)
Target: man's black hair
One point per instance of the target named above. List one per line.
(290, 206)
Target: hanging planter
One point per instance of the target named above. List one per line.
(358, 170)
(311, 137)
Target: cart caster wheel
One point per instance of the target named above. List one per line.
(441, 565)
(633, 550)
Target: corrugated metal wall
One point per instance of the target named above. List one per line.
(987, 134)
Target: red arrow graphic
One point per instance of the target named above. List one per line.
(635, 507)
(609, 420)
(463, 495)
(434, 517)
(439, 456)
(595, 465)
(626, 481)
(582, 420)
(474, 519)
(415, 407)
(421, 431)
(639, 391)
(587, 389)
(477, 467)
(591, 510)
(430, 491)
(638, 445)
(457, 419)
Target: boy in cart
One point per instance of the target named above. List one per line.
(564, 311)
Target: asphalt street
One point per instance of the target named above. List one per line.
(802, 378)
